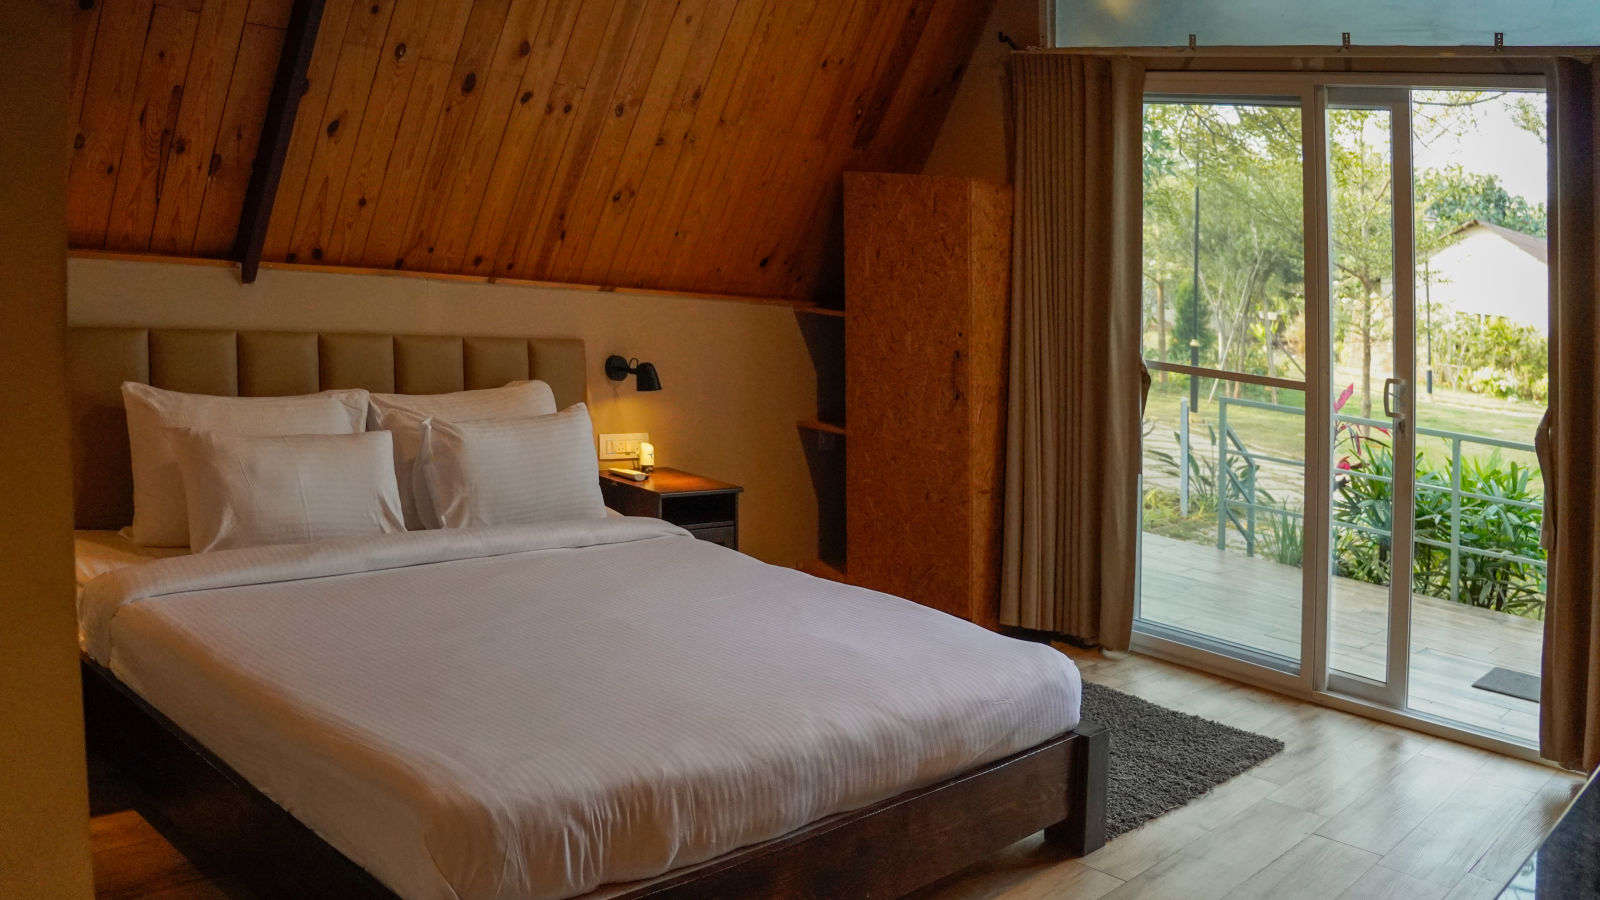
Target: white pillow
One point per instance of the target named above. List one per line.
(402, 415)
(512, 472)
(159, 517)
(249, 490)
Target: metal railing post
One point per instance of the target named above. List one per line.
(1222, 473)
(1455, 519)
(1250, 511)
(1183, 457)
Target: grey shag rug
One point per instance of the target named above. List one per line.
(1162, 758)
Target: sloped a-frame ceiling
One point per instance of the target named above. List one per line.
(692, 145)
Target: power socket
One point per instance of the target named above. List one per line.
(622, 446)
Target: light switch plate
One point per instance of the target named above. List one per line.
(622, 446)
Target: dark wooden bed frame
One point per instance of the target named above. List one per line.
(215, 816)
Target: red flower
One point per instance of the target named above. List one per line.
(1344, 397)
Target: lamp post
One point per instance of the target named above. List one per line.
(1194, 307)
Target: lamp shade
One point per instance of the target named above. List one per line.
(619, 368)
(647, 377)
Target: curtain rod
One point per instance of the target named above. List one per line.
(1333, 51)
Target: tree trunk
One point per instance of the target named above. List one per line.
(1366, 352)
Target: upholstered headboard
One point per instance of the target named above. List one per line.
(268, 363)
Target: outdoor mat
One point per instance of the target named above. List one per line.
(1511, 683)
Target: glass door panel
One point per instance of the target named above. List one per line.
(1369, 385)
(1374, 254)
(1478, 576)
(1224, 335)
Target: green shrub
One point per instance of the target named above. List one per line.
(1494, 528)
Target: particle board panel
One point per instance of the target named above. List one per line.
(925, 264)
(987, 365)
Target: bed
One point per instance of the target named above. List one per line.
(516, 712)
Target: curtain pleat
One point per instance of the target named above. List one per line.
(1072, 436)
(1569, 727)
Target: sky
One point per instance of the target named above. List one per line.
(1495, 146)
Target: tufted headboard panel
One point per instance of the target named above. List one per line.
(272, 363)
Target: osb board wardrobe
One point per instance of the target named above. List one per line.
(927, 302)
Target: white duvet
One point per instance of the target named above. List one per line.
(537, 711)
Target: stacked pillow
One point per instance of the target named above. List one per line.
(402, 415)
(226, 472)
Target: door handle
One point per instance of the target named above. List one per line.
(1388, 396)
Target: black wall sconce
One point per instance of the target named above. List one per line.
(618, 369)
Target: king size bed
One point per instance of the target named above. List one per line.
(579, 706)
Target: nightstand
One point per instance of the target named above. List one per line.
(705, 507)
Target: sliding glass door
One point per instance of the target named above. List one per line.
(1224, 435)
(1339, 490)
(1370, 346)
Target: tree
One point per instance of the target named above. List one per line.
(1191, 322)
(1451, 197)
(1247, 161)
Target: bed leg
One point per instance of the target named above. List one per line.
(1084, 829)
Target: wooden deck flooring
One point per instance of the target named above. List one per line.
(1255, 602)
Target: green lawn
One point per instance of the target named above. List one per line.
(1282, 433)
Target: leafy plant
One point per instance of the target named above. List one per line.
(1497, 532)
(1282, 538)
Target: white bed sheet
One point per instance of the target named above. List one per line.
(537, 711)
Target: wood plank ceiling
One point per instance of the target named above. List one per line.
(692, 145)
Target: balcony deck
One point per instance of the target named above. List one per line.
(1256, 602)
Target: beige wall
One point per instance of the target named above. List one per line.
(736, 376)
(44, 810)
(972, 140)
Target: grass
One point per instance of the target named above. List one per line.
(1282, 434)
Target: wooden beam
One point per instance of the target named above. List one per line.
(287, 88)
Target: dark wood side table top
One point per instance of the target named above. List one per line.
(666, 480)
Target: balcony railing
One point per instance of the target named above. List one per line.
(1239, 495)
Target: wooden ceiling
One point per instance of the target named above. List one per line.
(692, 145)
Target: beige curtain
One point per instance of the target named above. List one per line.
(1570, 436)
(1072, 441)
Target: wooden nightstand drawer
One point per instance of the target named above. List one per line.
(726, 535)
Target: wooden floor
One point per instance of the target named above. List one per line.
(1256, 603)
(1351, 809)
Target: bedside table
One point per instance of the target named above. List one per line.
(705, 507)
